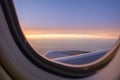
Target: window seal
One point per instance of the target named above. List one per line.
(39, 61)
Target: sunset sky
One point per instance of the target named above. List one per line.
(88, 18)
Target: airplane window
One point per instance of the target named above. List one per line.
(66, 38)
(71, 32)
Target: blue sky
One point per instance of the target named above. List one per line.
(70, 16)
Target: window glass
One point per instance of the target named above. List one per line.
(60, 28)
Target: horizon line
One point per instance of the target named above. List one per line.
(65, 36)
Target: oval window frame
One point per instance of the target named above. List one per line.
(56, 68)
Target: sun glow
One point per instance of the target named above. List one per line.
(63, 36)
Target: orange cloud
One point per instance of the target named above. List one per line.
(63, 36)
(49, 33)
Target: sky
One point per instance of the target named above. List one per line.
(78, 17)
